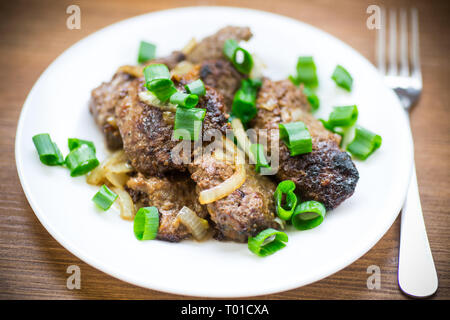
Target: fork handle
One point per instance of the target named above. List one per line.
(416, 271)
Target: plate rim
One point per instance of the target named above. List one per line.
(92, 261)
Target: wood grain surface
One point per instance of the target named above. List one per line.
(33, 33)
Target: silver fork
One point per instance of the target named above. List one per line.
(416, 271)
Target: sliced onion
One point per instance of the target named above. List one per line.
(135, 71)
(117, 179)
(127, 209)
(116, 163)
(197, 226)
(225, 188)
(150, 99)
(189, 46)
(242, 138)
(121, 167)
(280, 222)
(181, 69)
(97, 176)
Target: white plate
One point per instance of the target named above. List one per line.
(57, 104)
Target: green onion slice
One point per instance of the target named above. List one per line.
(312, 98)
(294, 80)
(196, 87)
(75, 143)
(48, 151)
(344, 116)
(185, 100)
(156, 72)
(146, 223)
(267, 242)
(306, 72)
(81, 160)
(104, 198)
(285, 199)
(308, 215)
(244, 102)
(147, 51)
(188, 123)
(342, 78)
(229, 48)
(157, 80)
(326, 125)
(364, 144)
(163, 89)
(296, 137)
(241, 58)
(258, 154)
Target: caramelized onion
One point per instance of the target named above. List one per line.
(150, 99)
(189, 46)
(116, 163)
(181, 69)
(197, 226)
(242, 138)
(225, 188)
(127, 209)
(135, 71)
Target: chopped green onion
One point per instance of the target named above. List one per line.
(48, 151)
(147, 51)
(157, 80)
(296, 137)
(308, 215)
(345, 116)
(312, 98)
(184, 99)
(146, 223)
(163, 89)
(229, 48)
(267, 242)
(294, 80)
(364, 143)
(326, 125)
(75, 143)
(342, 78)
(155, 72)
(258, 154)
(196, 87)
(104, 198)
(244, 102)
(81, 160)
(285, 193)
(241, 58)
(188, 121)
(306, 72)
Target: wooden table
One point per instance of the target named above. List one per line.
(33, 33)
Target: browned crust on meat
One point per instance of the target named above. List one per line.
(211, 48)
(169, 194)
(108, 95)
(243, 213)
(221, 75)
(103, 102)
(147, 133)
(327, 174)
